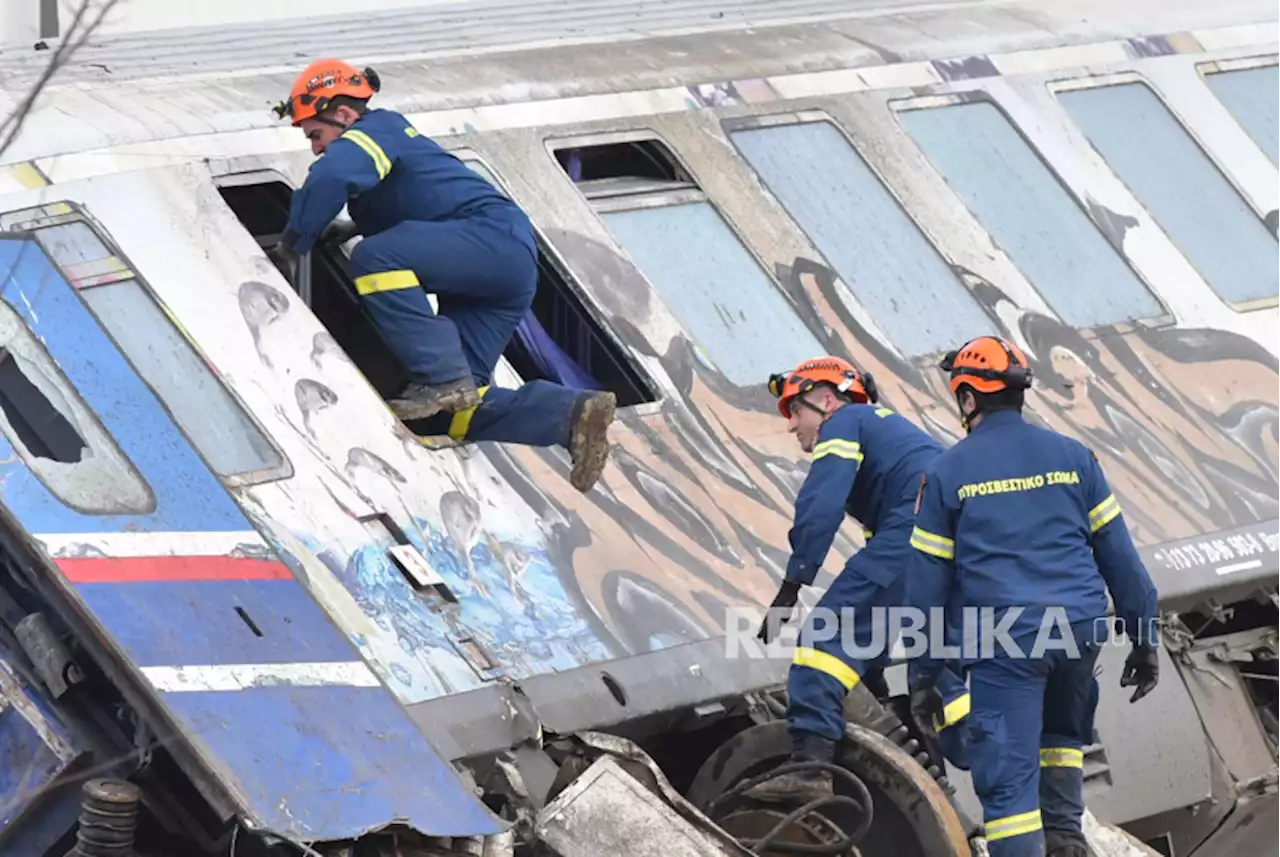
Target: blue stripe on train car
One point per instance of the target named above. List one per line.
(363, 763)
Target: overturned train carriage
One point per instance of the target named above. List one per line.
(252, 611)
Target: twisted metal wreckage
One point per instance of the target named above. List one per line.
(245, 611)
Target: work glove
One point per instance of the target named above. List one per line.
(926, 705)
(340, 231)
(788, 594)
(1141, 670)
(287, 261)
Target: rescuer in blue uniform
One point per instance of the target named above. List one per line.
(432, 224)
(1020, 519)
(867, 463)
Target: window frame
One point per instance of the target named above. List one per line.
(76, 213)
(969, 96)
(1098, 81)
(658, 198)
(553, 255)
(728, 125)
(64, 383)
(1205, 69)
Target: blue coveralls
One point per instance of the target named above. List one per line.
(867, 463)
(432, 224)
(1016, 516)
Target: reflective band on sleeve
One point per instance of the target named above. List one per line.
(927, 542)
(1061, 757)
(1103, 513)
(380, 160)
(1013, 825)
(842, 448)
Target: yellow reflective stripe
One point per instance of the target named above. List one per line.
(926, 542)
(1103, 513)
(1013, 825)
(843, 448)
(387, 281)
(867, 534)
(883, 412)
(953, 712)
(829, 664)
(380, 160)
(461, 422)
(1061, 757)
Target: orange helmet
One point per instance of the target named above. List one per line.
(320, 83)
(841, 374)
(988, 364)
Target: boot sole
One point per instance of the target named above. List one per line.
(408, 409)
(590, 445)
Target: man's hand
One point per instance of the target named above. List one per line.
(340, 231)
(788, 593)
(287, 261)
(1141, 670)
(926, 704)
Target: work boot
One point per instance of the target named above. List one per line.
(418, 401)
(800, 787)
(589, 438)
(1065, 843)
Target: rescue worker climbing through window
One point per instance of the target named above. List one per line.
(1018, 516)
(432, 224)
(867, 463)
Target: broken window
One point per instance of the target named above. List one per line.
(218, 426)
(1030, 215)
(1186, 194)
(732, 310)
(558, 339)
(857, 224)
(45, 420)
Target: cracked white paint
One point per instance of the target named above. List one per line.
(226, 677)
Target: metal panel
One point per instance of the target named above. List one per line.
(36, 745)
(717, 290)
(1032, 217)
(1182, 189)
(309, 744)
(1253, 97)
(880, 253)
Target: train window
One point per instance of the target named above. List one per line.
(1252, 95)
(558, 339)
(234, 446)
(716, 289)
(1031, 216)
(857, 224)
(1186, 194)
(45, 420)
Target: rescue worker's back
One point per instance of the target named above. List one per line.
(1031, 504)
(427, 183)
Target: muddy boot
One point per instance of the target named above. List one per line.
(1065, 843)
(799, 787)
(589, 438)
(418, 401)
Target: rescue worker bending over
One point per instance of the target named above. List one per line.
(1020, 519)
(867, 463)
(432, 224)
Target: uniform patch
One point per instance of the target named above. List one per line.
(920, 493)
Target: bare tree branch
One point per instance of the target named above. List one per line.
(87, 19)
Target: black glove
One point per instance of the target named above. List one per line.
(786, 598)
(287, 261)
(926, 705)
(339, 232)
(1141, 670)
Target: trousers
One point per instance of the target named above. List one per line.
(1030, 721)
(852, 644)
(484, 272)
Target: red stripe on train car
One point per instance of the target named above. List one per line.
(155, 569)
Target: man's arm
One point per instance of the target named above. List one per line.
(931, 565)
(1126, 577)
(351, 164)
(821, 501)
